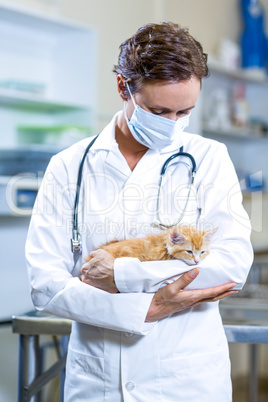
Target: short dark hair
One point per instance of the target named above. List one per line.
(160, 52)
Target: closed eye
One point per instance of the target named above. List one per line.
(203, 252)
(160, 112)
(182, 113)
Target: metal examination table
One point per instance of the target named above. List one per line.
(30, 327)
(245, 320)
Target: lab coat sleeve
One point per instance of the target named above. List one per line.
(219, 201)
(55, 288)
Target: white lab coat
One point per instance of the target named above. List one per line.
(113, 354)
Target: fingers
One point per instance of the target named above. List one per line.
(216, 298)
(197, 296)
(95, 253)
(222, 296)
(184, 280)
(92, 254)
(215, 292)
(89, 261)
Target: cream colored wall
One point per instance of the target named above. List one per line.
(115, 20)
(208, 20)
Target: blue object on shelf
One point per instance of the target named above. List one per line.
(25, 198)
(254, 44)
(255, 182)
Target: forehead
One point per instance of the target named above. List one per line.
(197, 242)
(168, 95)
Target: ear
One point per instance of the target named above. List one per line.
(209, 234)
(176, 238)
(121, 87)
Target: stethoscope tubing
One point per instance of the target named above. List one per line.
(162, 172)
(76, 240)
(180, 153)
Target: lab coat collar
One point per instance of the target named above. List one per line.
(174, 147)
(106, 139)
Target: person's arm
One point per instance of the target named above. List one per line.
(54, 276)
(220, 202)
(56, 287)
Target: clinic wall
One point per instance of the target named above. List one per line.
(115, 21)
(208, 20)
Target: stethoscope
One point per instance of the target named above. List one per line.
(76, 244)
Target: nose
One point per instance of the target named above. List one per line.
(172, 116)
(196, 260)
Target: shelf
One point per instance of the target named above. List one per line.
(47, 72)
(216, 66)
(34, 20)
(233, 133)
(26, 101)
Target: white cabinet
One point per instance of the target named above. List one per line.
(47, 72)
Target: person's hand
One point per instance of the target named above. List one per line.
(99, 271)
(173, 298)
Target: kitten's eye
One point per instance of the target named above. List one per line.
(189, 251)
(203, 252)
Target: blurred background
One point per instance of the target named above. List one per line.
(57, 87)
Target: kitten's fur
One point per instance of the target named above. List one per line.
(182, 242)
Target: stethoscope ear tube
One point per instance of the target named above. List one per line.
(180, 153)
(162, 172)
(76, 245)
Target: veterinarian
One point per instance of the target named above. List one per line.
(142, 331)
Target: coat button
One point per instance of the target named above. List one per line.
(133, 232)
(128, 334)
(130, 386)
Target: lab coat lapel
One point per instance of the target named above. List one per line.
(153, 159)
(174, 147)
(149, 161)
(106, 142)
(116, 161)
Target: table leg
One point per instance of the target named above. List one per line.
(253, 372)
(28, 365)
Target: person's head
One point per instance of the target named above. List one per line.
(160, 53)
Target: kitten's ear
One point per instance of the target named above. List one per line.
(209, 234)
(176, 238)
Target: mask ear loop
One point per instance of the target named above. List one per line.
(129, 91)
(134, 103)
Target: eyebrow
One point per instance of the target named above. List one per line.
(168, 110)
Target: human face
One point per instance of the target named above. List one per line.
(169, 100)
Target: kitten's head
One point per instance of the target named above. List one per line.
(189, 244)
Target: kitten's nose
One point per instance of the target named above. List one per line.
(196, 260)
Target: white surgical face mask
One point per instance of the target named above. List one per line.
(153, 131)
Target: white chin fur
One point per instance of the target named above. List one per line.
(189, 262)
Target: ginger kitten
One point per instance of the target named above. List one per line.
(185, 243)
